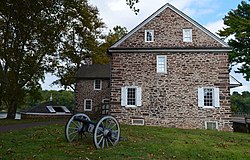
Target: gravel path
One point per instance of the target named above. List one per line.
(14, 127)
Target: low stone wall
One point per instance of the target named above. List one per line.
(38, 116)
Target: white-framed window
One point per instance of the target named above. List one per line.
(208, 97)
(211, 125)
(131, 96)
(161, 64)
(97, 84)
(87, 104)
(149, 35)
(187, 35)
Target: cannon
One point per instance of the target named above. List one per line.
(106, 131)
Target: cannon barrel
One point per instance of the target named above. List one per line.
(83, 120)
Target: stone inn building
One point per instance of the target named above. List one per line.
(168, 71)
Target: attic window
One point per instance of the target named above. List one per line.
(149, 35)
(187, 35)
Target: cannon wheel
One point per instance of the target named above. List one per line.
(73, 128)
(107, 132)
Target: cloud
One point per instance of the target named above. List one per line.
(47, 84)
(214, 27)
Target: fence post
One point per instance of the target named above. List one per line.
(246, 124)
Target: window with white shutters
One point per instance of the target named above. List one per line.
(208, 97)
(131, 96)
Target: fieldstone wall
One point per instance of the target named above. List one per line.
(171, 99)
(168, 27)
(48, 116)
(85, 90)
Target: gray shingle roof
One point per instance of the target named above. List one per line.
(94, 71)
(41, 108)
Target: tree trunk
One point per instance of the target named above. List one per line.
(12, 107)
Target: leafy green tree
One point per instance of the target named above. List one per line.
(38, 36)
(62, 97)
(238, 25)
(78, 41)
(240, 102)
(28, 34)
(100, 56)
(97, 52)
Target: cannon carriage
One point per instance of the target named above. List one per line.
(106, 131)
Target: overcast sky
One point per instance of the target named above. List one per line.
(208, 13)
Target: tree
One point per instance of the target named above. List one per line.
(78, 41)
(35, 37)
(131, 4)
(97, 53)
(238, 25)
(240, 102)
(100, 56)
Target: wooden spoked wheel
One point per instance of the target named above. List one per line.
(107, 132)
(74, 130)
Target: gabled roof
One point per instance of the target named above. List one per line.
(94, 71)
(234, 82)
(216, 38)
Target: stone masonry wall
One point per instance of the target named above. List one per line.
(85, 90)
(171, 99)
(168, 26)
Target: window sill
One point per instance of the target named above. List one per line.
(131, 106)
(161, 72)
(209, 107)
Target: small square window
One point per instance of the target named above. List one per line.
(139, 122)
(97, 84)
(149, 35)
(161, 64)
(208, 97)
(187, 35)
(87, 105)
(211, 125)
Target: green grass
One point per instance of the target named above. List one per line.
(143, 143)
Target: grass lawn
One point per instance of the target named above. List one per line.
(143, 143)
